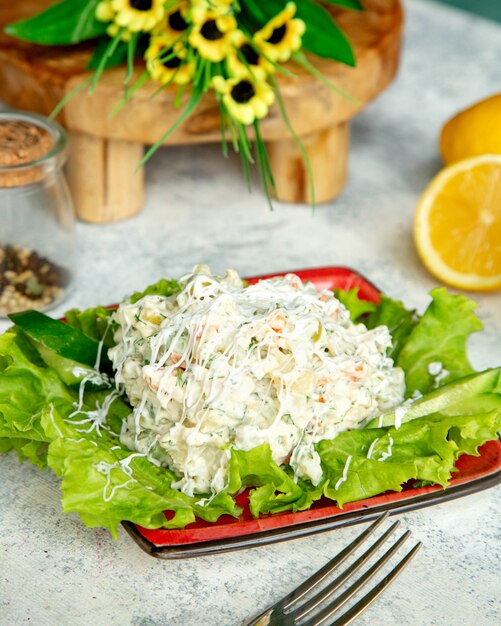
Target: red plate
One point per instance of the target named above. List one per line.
(201, 538)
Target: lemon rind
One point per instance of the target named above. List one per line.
(426, 251)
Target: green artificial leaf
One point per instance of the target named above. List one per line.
(57, 336)
(356, 5)
(260, 12)
(322, 37)
(197, 92)
(440, 336)
(65, 23)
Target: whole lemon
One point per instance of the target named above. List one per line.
(473, 132)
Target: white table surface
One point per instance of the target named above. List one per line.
(54, 571)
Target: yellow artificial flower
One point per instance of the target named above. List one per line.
(199, 8)
(175, 22)
(281, 36)
(213, 35)
(166, 63)
(113, 30)
(243, 58)
(138, 15)
(104, 11)
(245, 98)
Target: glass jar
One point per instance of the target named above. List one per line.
(37, 240)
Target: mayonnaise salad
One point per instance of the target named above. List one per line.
(222, 365)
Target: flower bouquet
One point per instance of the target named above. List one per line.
(234, 48)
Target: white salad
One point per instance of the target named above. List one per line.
(222, 365)
(213, 398)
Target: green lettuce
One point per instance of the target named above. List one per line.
(440, 335)
(400, 322)
(94, 322)
(383, 459)
(162, 287)
(106, 483)
(101, 479)
(357, 307)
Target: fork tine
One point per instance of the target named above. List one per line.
(364, 602)
(331, 565)
(346, 595)
(327, 591)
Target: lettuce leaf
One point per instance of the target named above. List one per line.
(386, 458)
(93, 322)
(96, 323)
(357, 307)
(391, 313)
(440, 336)
(399, 320)
(256, 468)
(106, 483)
(163, 287)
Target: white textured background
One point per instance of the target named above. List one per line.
(53, 571)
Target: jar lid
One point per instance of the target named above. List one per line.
(30, 146)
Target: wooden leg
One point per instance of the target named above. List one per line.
(103, 179)
(328, 155)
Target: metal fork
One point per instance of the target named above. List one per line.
(316, 610)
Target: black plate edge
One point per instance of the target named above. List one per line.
(312, 527)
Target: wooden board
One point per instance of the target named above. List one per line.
(36, 78)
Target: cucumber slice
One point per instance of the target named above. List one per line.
(71, 372)
(58, 337)
(461, 391)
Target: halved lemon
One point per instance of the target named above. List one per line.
(457, 225)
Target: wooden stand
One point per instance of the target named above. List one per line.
(327, 152)
(105, 151)
(103, 178)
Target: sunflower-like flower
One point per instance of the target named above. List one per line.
(199, 8)
(281, 36)
(167, 63)
(176, 21)
(138, 15)
(243, 58)
(245, 97)
(106, 13)
(114, 29)
(212, 36)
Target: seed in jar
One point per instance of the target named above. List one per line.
(28, 279)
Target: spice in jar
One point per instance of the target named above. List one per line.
(28, 280)
(22, 143)
(35, 214)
